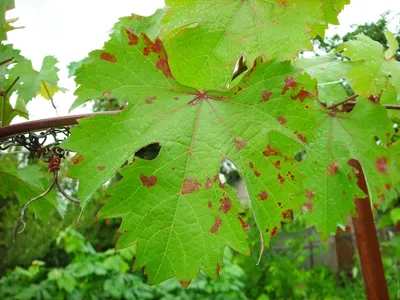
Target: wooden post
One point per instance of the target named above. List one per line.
(367, 243)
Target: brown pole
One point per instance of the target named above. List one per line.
(367, 243)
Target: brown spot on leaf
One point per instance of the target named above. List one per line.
(266, 96)
(148, 181)
(245, 226)
(308, 206)
(106, 94)
(101, 168)
(290, 84)
(302, 95)
(277, 164)
(108, 57)
(185, 284)
(221, 185)
(146, 51)
(226, 205)
(190, 185)
(270, 151)
(274, 231)
(263, 195)
(267, 230)
(333, 168)
(281, 179)
(290, 174)
(208, 183)
(77, 160)
(257, 173)
(376, 206)
(218, 269)
(387, 186)
(287, 214)
(162, 65)
(279, 204)
(381, 165)
(150, 100)
(176, 98)
(251, 165)
(282, 120)
(310, 194)
(216, 178)
(133, 38)
(240, 144)
(301, 137)
(209, 204)
(216, 225)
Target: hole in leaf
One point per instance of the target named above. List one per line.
(301, 155)
(228, 174)
(149, 152)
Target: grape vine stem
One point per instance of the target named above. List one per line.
(36, 125)
(352, 97)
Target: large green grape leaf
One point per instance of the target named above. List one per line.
(329, 179)
(174, 207)
(4, 6)
(25, 184)
(370, 71)
(205, 39)
(329, 72)
(32, 83)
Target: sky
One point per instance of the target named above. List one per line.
(69, 30)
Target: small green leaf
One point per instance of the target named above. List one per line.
(370, 72)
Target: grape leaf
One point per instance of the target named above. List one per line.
(4, 6)
(390, 96)
(174, 207)
(370, 72)
(393, 45)
(328, 177)
(135, 23)
(26, 184)
(204, 40)
(31, 82)
(329, 72)
(331, 9)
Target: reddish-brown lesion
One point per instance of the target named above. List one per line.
(148, 181)
(190, 185)
(271, 151)
(216, 226)
(108, 57)
(225, 205)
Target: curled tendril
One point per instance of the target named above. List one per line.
(54, 167)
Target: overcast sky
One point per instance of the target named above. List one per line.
(71, 29)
